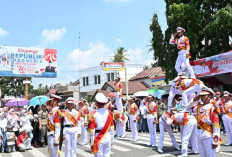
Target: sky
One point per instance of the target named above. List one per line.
(102, 25)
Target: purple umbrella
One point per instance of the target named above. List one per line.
(17, 102)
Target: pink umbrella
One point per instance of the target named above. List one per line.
(17, 102)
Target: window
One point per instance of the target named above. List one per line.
(110, 77)
(97, 79)
(85, 81)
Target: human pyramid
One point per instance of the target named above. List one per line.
(198, 116)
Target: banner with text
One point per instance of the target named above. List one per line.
(213, 65)
(113, 66)
(28, 62)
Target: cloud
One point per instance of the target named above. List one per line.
(3, 32)
(120, 1)
(53, 34)
(96, 53)
(118, 40)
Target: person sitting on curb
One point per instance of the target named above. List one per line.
(23, 141)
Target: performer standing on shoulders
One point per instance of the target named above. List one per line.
(101, 128)
(183, 45)
(118, 98)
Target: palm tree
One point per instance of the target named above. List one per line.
(120, 55)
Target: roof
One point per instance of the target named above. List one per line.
(133, 86)
(149, 73)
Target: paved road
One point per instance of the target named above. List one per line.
(125, 148)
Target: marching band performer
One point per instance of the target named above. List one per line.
(118, 97)
(151, 119)
(101, 128)
(183, 45)
(134, 118)
(84, 111)
(54, 125)
(208, 130)
(72, 128)
(163, 124)
(188, 125)
(225, 105)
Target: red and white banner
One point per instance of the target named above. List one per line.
(213, 65)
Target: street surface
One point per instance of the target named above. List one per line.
(125, 148)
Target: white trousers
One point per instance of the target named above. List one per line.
(124, 130)
(152, 131)
(119, 128)
(84, 136)
(52, 148)
(104, 150)
(182, 59)
(118, 102)
(189, 133)
(70, 142)
(133, 125)
(228, 127)
(171, 96)
(205, 147)
(188, 94)
(162, 126)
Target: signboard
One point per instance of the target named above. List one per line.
(113, 66)
(158, 80)
(214, 65)
(28, 62)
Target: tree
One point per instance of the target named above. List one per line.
(120, 55)
(13, 86)
(146, 67)
(208, 25)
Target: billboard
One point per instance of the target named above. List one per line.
(113, 66)
(28, 62)
(213, 65)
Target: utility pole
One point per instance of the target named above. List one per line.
(126, 82)
(79, 56)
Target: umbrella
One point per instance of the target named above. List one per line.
(152, 91)
(159, 93)
(141, 94)
(112, 95)
(38, 100)
(17, 102)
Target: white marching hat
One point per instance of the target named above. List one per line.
(207, 91)
(180, 29)
(226, 93)
(69, 100)
(101, 98)
(55, 96)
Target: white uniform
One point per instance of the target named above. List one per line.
(124, 121)
(192, 86)
(72, 127)
(133, 110)
(97, 123)
(208, 132)
(151, 121)
(53, 133)
(118, 99)
(226, 108)
(84, 129)
(163, 125)
(183, 45)
(188, 131)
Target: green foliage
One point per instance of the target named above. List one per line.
(13, 86)
(208, 25)
(120, 55)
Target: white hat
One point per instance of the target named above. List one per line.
(181, 74)
(169, 121)
(180, 29)
(55, 96)
(207, 91)
(101, 98)
(69, 100)
(21, 130)
(226, 93)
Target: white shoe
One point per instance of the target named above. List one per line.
(153, 145)
(160, 151)
(177, 148)
(149, 145)
(193, 152)
(228, 144)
